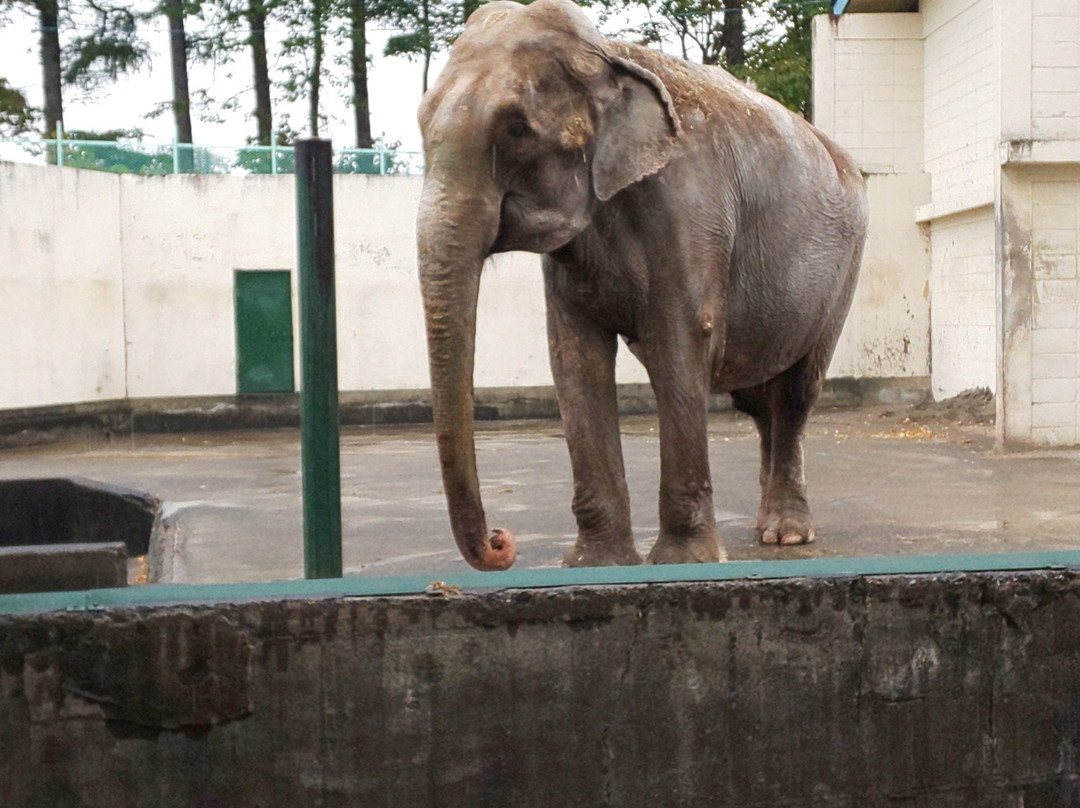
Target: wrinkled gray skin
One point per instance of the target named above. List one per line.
(715, 231)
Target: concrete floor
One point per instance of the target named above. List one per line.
(881, 483)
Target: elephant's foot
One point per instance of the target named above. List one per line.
(786, 526)
(683, 550)
(593, 553)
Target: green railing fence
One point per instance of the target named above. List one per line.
(154, 159)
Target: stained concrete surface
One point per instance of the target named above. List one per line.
(881, 482)
(900, 691)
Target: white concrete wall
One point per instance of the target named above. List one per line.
(962, 130)
(868, 96)
(61, 293)
(182, 239)
(961, 115)
(123, 286)
(1039, 224)
(1055, 71)
(964, 311)
(167, 249)
(1040, 315)
(887, 334)
(1055, 367)
(868, 88)
(120, 286)
(115, 286)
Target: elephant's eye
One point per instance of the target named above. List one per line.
(518, 128)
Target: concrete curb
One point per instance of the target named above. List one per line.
(107, 419)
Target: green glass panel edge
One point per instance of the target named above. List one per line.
(381, 586)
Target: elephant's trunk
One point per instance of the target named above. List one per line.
(453, 235)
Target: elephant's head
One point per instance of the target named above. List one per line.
(533, 122)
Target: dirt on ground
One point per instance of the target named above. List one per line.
(966, 418)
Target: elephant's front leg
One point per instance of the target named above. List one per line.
(687, 517)
(583, 365)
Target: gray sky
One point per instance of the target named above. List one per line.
(394, 85)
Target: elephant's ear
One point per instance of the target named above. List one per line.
(637, 129)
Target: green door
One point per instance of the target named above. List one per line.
(264, 332)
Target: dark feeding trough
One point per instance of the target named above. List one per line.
(71, 533)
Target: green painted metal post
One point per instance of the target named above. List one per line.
(319, 447)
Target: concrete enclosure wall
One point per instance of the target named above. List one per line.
(61, 287)
(901, 691)
(122, 286)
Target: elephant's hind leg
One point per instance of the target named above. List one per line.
(780, 408)
(687, 517)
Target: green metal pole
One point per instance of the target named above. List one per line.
(319, 447)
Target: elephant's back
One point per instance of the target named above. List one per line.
(793, 203)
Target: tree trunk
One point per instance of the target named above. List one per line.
(174, 13)
(734, 40)
(315, 78)
(49, 18)
(263, 115)
(358, 65)
(425, 22)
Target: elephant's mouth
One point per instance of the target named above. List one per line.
(525, 226)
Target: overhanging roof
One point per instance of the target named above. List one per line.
(848, 6)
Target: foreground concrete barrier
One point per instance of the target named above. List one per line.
(920, 690)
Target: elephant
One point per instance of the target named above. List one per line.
(713, 230)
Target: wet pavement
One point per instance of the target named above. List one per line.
(881, 483)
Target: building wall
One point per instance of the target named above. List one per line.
(887, 333)
(1038, 224)
(960, 141)
(1000, 144)
(1055, 366)
(963, 316)
(961, 104)
(868, 88)
(1055, 71)
(868, 96)
(1040, 318)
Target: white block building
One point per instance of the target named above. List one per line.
(965, 116)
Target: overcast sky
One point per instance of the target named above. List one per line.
(394, 86)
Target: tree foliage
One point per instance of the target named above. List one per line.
(307, 24)
(764, 42)
(108, 44)
(101, 43)
(778, 60)
(709, 31)
(427, 27)
(16, 115)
